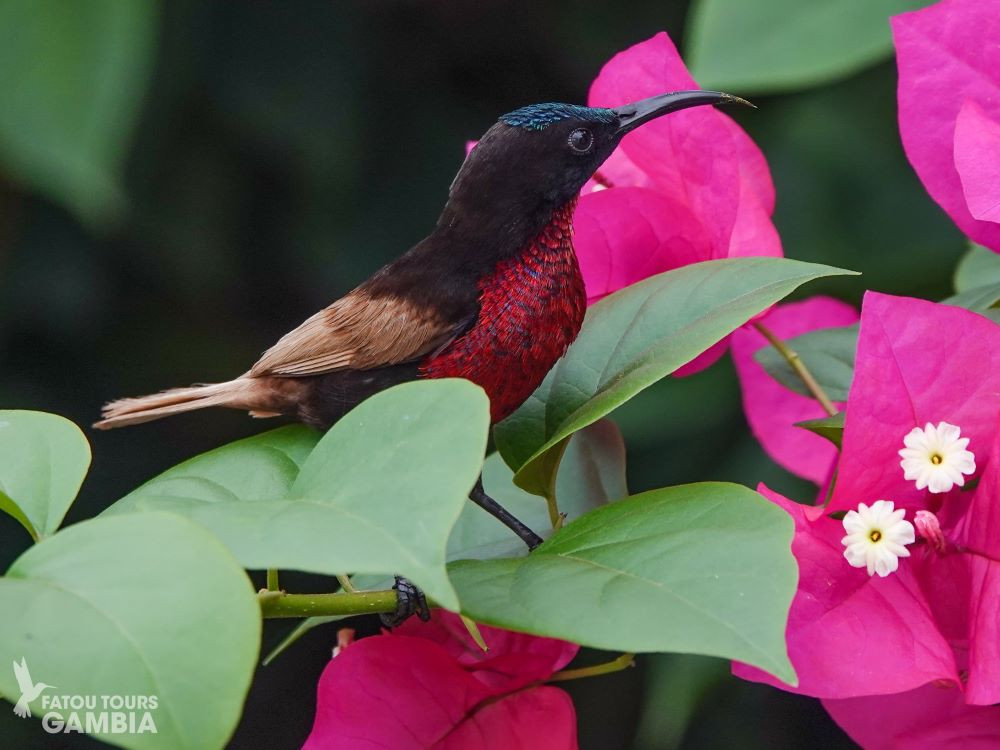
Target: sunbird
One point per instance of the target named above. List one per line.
(494, 294)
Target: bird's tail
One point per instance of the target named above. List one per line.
(241, 393)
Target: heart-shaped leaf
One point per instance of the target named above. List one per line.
(262, 467)
(144, 605)
(592, 473)
(632, 339)
(701, 568)
(43, 460)
(380, 492)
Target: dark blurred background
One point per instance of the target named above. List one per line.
(181, 183)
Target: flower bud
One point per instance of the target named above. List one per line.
(929, 528)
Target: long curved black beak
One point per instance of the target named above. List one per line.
(633, 115)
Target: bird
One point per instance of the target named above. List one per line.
(29, 689)
(493, 294)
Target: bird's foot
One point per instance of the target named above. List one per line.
(409, 601)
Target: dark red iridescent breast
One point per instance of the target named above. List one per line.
(531, 309)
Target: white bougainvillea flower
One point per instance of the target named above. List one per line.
(877, 537)
(936, 457)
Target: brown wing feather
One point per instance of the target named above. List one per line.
(358, 332)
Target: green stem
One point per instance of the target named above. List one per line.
(551, 466)
(474, 633)
(346, 585)
(796, 363)
(272, 580)
(615, 665)
(553, 511)
(279, 604)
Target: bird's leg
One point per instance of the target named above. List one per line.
(495, 509)
(409, 601)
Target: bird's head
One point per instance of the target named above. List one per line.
(537, 158)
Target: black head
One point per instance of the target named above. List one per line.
(535, 159)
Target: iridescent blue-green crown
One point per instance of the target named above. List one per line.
(540, 116)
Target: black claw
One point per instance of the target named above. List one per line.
(409, 601)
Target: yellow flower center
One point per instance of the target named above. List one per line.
(936, 458)
(875, 535)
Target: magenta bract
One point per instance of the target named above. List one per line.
(949, 108)
(850, 634)
(937, 619)
(682, 189)
(917, 362)
(977, 159)
(429, 685)
(929, 718)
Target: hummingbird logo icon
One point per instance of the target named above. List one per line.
(29, 689)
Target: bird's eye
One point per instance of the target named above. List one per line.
(581, 140)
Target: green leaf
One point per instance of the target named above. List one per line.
(978, 267)
(633, 338)
(380, 493)
(140, 605)
(832, 428)
(43, 460)
(701, 568)
(781, 45)
(827, 353)
(74, 76)
(978, 298)
(592, 473)
(262, 467)
(983, 298)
